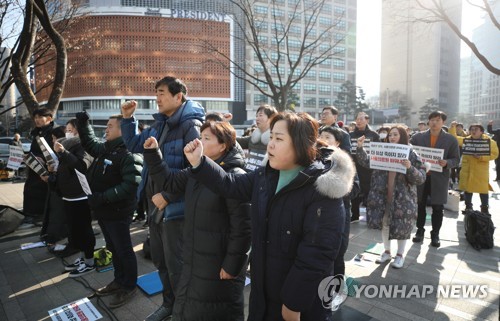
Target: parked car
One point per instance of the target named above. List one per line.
(5, 143)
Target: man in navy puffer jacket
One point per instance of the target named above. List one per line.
(177, 123)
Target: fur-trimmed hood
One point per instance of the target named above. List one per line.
(337, 179)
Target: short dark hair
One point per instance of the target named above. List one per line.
(214, 116)
(73, 122)
(333, 110)
(361, 113)
(58, 132)
(384, 128)
(224, 132)
(438, 113)
(43, 112)
(460, 125)
(269, 110)
(403, 134)
(336, 132)
(174, 85)
(303, 129)
(478, 126)
(118, 117)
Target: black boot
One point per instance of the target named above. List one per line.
(484, 209)
(468, 208)
(419, 236)
(435, 239)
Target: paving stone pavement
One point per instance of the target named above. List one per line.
(32, 281)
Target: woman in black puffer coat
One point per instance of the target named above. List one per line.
(216, 232)
(297, 218)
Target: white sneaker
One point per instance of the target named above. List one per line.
(384, 257)
(338, 300)
(398, 262)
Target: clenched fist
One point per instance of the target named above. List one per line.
(193, 151)
(151, 143)
(128, 108)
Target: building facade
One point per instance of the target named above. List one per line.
(139, 42)
(323, 82)
(420, 60)
(484, 86)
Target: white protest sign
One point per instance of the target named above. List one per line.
(431, 156)
(16, 156)
(80, 310)
(388, 157)
(354, 145)
(84, 183)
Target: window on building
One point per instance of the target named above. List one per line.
(325, 75)
(324, 88)
(260, 10)
(338, 76)
(310, 87)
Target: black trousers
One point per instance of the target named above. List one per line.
(437, 210)
(166, 253)
(339, 263)
(118, 242)
(80, 226)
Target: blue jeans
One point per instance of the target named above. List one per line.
(118, 241)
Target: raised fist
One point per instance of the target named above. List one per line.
(82, 116)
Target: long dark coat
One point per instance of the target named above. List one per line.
(216, 235)
(439, 180)
(403, 209)
(296, 233)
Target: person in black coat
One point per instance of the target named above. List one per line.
(496, 137)
(364, 174)
(297, 218)
(72, 158)
(35, 189)
(216, 232)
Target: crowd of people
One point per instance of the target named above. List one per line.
(280, 199)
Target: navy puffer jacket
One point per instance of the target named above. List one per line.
(183, 126)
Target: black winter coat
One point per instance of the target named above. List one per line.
(216, 235)
(114, 174)
(35, 190)
(364, 173)
(74, 157)
(296, 233)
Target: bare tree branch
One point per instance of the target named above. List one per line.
(286, 58)
(439, 14)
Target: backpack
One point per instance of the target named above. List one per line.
(479, 229)
(103, 257)
(10, 219)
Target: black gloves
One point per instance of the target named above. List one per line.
(82, 116)
(96, 200)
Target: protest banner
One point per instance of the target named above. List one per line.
(83, 182)
(49, 155)
(354, 145)
(33, 163)
(388, 156)
(431, 156)
(78, 310)
(16, 156)
(480, 147)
